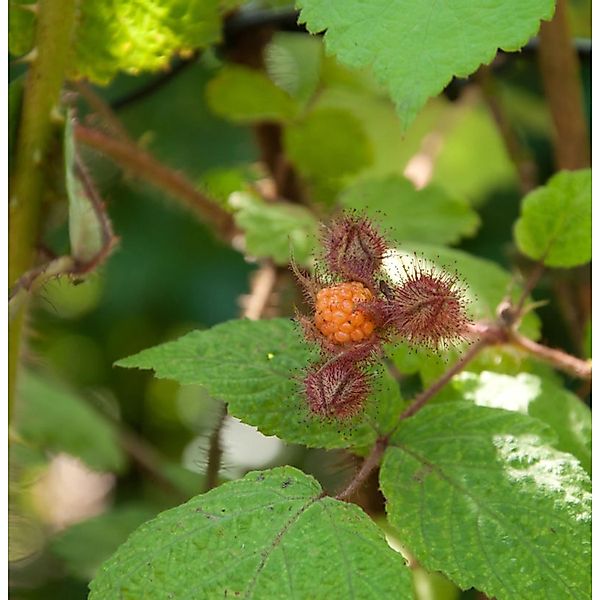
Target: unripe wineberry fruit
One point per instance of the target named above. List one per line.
(337, 315)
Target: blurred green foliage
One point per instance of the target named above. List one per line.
(170, 274)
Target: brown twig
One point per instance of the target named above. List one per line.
(369, 465)
(143, 165)
(562, 84)
(150, 460)
(102, 109)
(534, 276)
(215, 453)
(428, 393)
(263, 282)
(557, 358)
(518, 154)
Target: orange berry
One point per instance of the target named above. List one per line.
(368, 327)
(337, 317)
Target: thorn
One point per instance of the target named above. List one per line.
(28, 58)
(56, 116)
(32, 8)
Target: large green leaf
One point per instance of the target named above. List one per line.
(270, 535)
(245, 95)
(54, 418)
(415, 48)
(479, 494)
(556, 221)
(429, 215)
(275, 229)
(570, 418)
(257, 368)
(86, 545)
(128, 36)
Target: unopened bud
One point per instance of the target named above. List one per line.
(354, 249)
(338, 389)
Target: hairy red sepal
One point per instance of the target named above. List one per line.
(354, 249)
(428, 309)
(338, 389)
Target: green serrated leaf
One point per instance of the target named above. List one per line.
(256, 367)
(568, 416)
(415, 48)
(275, 230)
(141, 36)
(327, 145)
(556, 220)
(245, 95)
(129, 36)
(84, 546)
(429, 215)
(86, 230)
(479, 494)
(293, 62)
(270, 535)
(55, 419)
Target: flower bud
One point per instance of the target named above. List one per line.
(428, 308)
(338, 389)
(354, 249)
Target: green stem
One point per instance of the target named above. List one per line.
(55, 20)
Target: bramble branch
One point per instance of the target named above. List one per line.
(143, 165)
(437, 385)
(369, 465)
(55, 21)
(557, 358)
(215, 452)
(560, 74)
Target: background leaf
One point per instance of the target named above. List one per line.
(293, 62)
(21, 27)
(416, 48)
(54, 418)
(128, 36)
(556, 220)
(429, 215)
(267, 535)
(245, 95)
(478, 494)
(328, 144)
(276, 229)
(257, 368)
